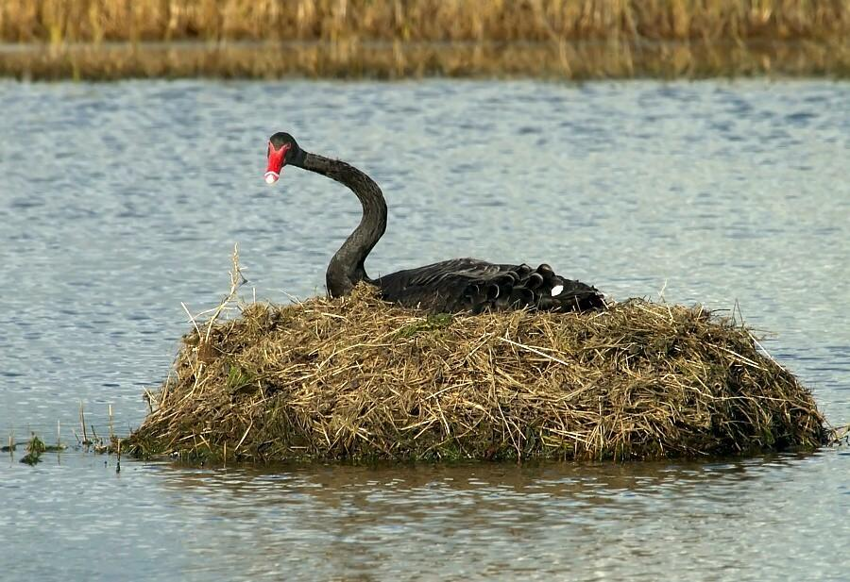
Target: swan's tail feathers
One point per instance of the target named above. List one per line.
(520, 297)
(472, 285)
(555, 293)
(570, 295)
(521, 287)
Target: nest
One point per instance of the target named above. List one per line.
(359, 379)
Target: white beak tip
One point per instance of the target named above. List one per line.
(271, 177)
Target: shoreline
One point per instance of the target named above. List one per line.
(394, 60)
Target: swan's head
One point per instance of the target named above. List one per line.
(283, 149)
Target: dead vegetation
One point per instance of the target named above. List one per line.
(359, 379)
(392, 39)
(401, 60)
(422, 20)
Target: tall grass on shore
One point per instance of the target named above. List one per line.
(389, 39)
(354, 60)
(422, 20)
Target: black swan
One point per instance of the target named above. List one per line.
(449, 286)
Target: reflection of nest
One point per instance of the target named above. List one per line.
(357, 378)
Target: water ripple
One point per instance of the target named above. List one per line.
(119, 201)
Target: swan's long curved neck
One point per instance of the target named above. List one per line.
(346, 268)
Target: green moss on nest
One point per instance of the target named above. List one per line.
(357, 379)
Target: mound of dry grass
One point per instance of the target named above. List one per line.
(357, 378)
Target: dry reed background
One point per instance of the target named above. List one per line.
(357, 378)
(422, 20)
(405, 60)
(399, 38)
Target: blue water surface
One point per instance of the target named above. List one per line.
(120, 201)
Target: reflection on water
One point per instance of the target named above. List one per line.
(645, 521)
(120, 201)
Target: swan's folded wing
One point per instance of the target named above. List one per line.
(471, 284)
(443, 286)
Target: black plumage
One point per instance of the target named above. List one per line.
(448, 286)
(471, 284)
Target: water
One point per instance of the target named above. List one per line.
(118, 202)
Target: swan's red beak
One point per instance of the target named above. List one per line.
(276, 159)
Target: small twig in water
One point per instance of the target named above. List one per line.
(111, 426)
(86, 440)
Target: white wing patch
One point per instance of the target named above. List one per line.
(556, 290)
